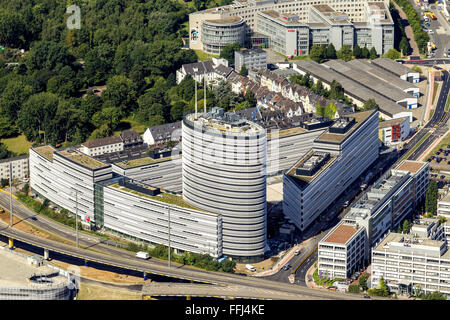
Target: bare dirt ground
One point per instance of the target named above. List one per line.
(408, 31)
(98, 292)
(260, 266)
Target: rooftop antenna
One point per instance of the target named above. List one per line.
(204, 95)
(196, 100)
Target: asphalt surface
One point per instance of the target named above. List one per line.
(149, 266)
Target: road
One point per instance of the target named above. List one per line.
(184, 272)
(437, 126)
(440, 27)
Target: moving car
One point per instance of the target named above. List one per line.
(297, 252)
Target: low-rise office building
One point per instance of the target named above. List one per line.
(334, 162)
(250, 58)
(137, 210)
(67, 178)
(411, 263)
(342, 251)
(394, 131)
(18, 166)
(381, 209)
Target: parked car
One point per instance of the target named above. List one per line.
(430, 31)
(297, 252)
(366, 296)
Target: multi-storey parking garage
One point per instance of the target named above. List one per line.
(224, 172)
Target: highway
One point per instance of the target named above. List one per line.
(176, 271)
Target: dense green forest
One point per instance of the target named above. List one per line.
(133, 47)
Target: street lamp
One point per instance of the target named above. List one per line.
(168, 230)
(10, 195)
(76, 215)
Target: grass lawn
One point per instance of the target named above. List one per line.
(202, 56)
(130, 124)
(324, 282)
(301, 58)
(436, 86)
(18, 145)
(447, 105)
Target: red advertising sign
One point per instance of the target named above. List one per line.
(291, 30)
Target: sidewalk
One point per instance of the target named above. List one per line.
(285, 259)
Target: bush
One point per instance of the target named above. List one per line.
(353, 288)
(4, 182)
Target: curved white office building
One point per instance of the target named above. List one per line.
(224, 172)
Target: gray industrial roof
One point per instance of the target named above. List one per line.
(382, 74)
(392, 66)
(368, 80)
(351, 87)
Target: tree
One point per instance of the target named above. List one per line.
(331, 52)
(336, 90)
(357, 52)
(228, 52)
(406, 226)
(431, 197)
(7, 128)
(345, 53)
(392, 54)
(4, 182)
(416, 69)
(176, 111)
(365, 53)
(370, 104)
(38, 113)
(120, 93)
(249, 97)
(354, 288)
(373, 53)
(244, 71)
(49, 55)
(4, 152)
(363, 281)
(186, 88)
(317, 53)
(12, 28)
(404, 46)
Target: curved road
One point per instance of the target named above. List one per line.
(176, 271)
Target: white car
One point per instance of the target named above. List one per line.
(430, 31)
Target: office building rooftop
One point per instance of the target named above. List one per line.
(229, 122)
(45, 151)
(341, 234)
(344, 127)
(81, 159)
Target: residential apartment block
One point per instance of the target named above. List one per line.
(18, 166)
(211, 71)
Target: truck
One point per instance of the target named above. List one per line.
(142, 255)
(250, 267)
